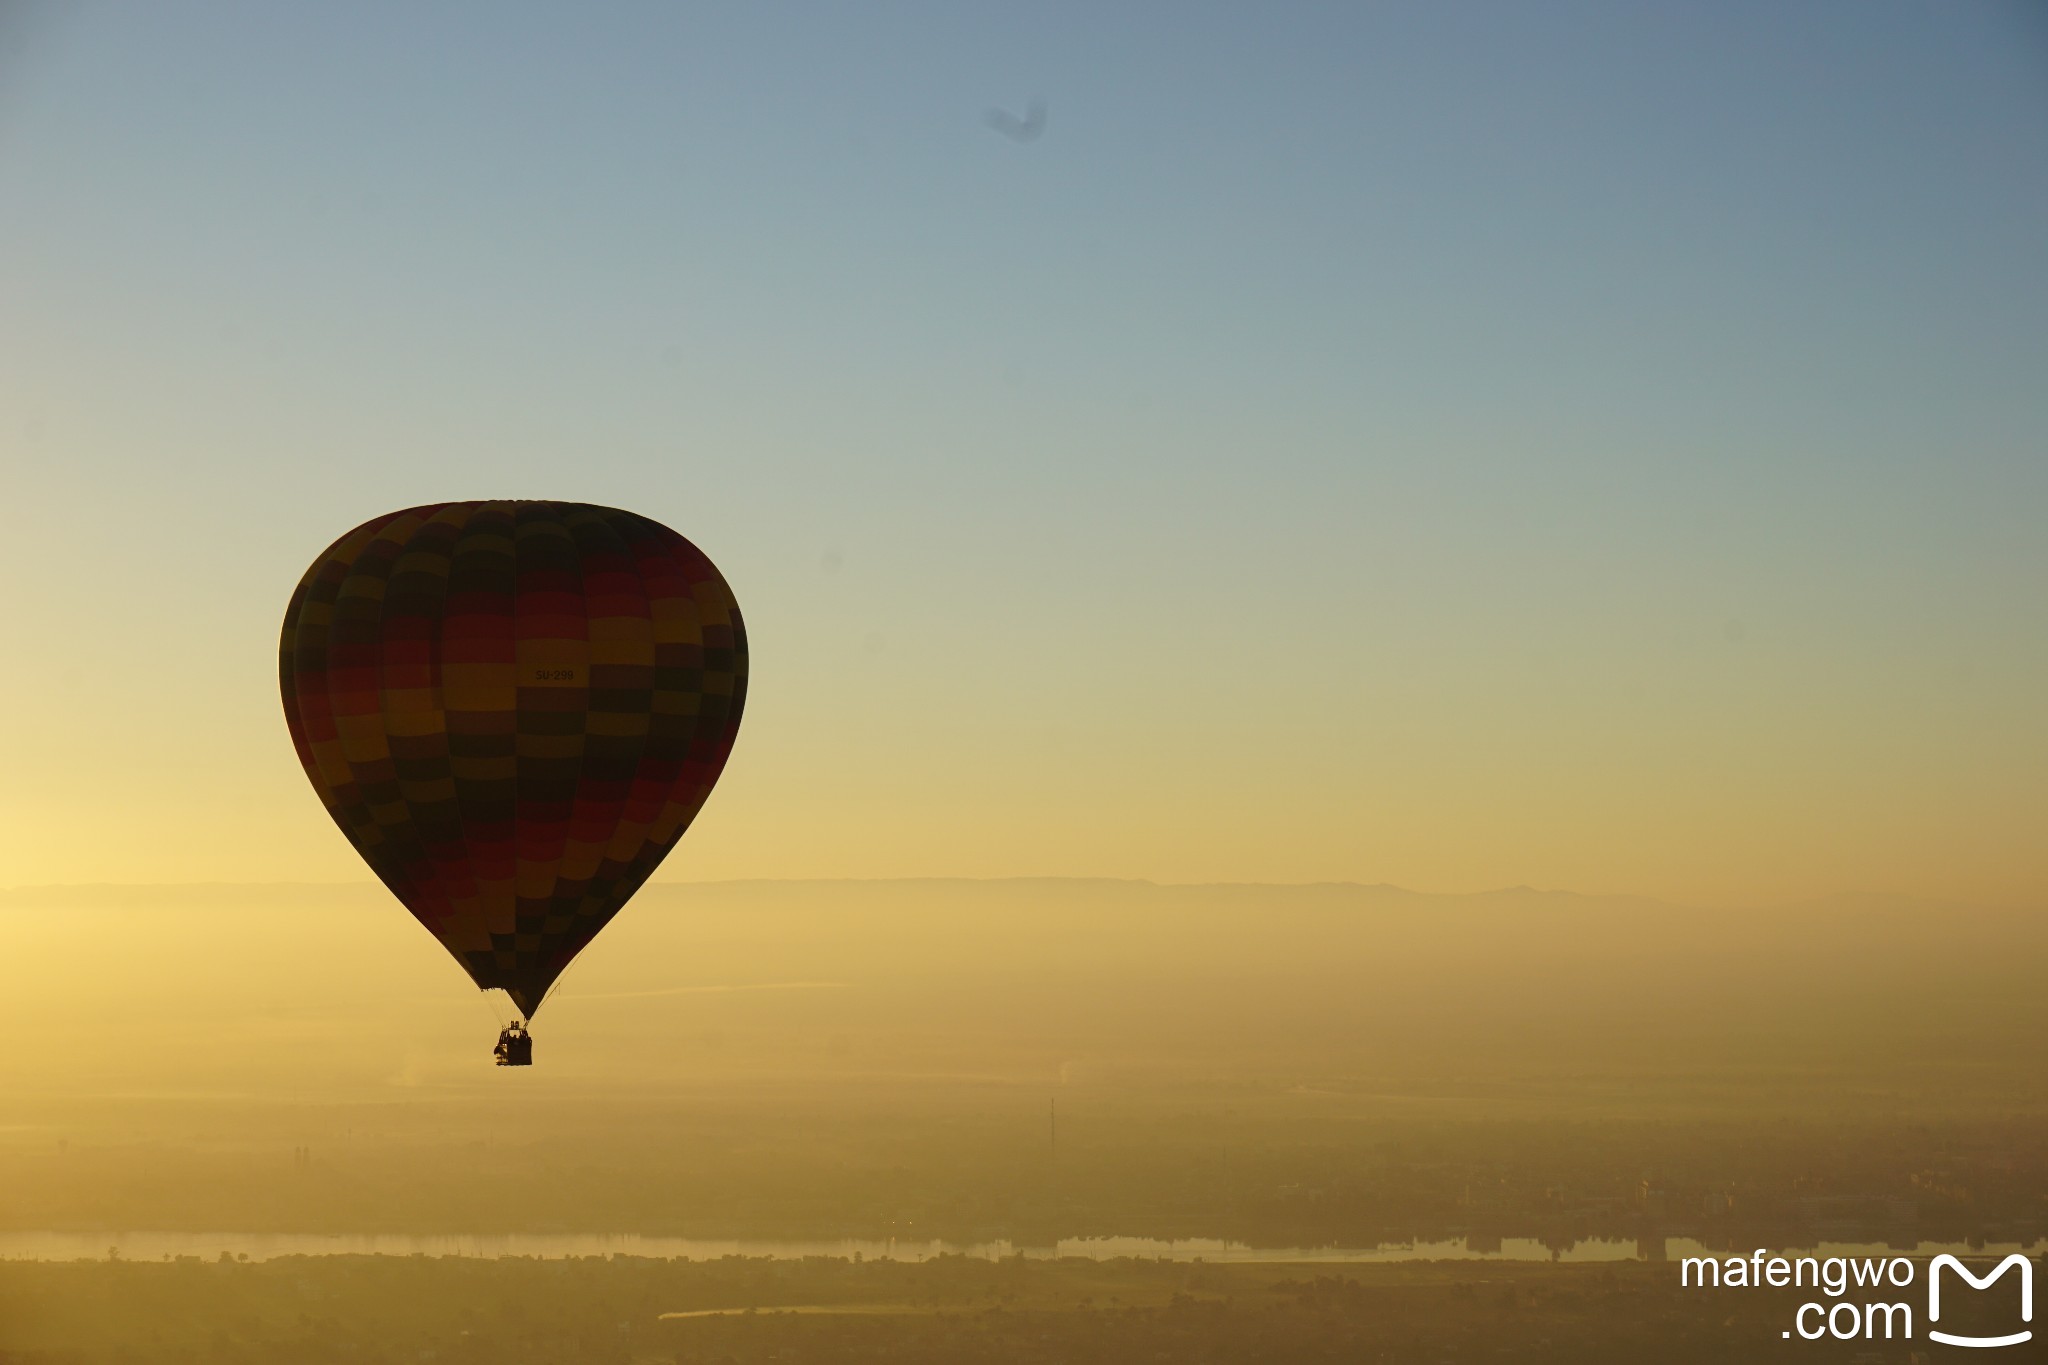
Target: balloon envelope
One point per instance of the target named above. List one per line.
(513, 710)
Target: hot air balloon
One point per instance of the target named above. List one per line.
(513, 710)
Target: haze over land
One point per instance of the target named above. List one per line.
(1309, 1064)
(1037, 982)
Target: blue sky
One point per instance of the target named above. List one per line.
(1450, 444)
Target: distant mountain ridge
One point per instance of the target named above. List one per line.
(229, 893)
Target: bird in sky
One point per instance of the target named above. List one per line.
(1024, 129)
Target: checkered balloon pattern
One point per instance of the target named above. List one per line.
(513, 710)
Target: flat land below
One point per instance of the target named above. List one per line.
(385, 1310)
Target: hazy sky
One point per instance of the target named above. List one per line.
(1594, 446)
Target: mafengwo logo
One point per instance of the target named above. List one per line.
(2026, 1269)
(1880, 1312)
